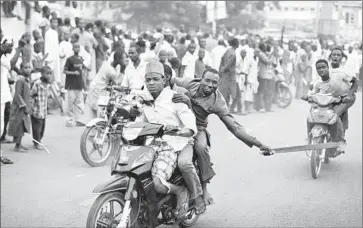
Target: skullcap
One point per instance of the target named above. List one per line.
(154, 67)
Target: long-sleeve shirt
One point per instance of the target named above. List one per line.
(39, 95)
(228, 65)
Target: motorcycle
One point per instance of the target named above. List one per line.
(104, 131)
(130, 188)
(321, 115)
(282, 90)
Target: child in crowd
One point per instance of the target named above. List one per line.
(199, 64)
(38, 60)
(19, 122)
(39, 94)
(74, 85)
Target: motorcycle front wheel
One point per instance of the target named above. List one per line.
(95, 155)
(283, 96)
(317, 157)
(191, 220)
(106, 211)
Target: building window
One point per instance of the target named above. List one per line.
(349, 18)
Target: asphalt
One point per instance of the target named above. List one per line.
(55, 190)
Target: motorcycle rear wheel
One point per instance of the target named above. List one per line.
(190, 221)
(86, 155)
(283, 96)
(316, 158)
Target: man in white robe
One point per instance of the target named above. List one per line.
(51, 46)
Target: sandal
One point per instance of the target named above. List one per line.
(5, 160)
(209, 201)
(201, 209)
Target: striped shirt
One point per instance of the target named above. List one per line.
(39, 95)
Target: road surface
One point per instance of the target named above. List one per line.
(55, 190)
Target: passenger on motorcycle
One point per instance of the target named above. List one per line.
(172, 115)
(346, 89)
(338, 87)
(206, 99)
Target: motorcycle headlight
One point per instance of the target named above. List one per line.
(131, 133)
(144, 158)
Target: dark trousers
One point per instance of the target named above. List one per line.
(237, 101)
(6, 119)
(38, 126)
(265, 94)
(342, 111)
(201, 147)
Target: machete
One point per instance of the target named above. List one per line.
(319, 146)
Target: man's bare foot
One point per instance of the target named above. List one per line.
(182, 202)
(199, 205)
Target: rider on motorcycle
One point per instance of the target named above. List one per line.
(206, 99)
(173, 116)
(338, 85)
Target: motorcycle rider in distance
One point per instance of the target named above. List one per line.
(206, 99)
(173, 116)
(338, 85)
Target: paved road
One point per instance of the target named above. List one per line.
(49, 190)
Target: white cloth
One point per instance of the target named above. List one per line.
(352, 64)
(51, 46)
(5, 88)
(36, 21)
(217, 55)
(167, 112)
(134, 77)
(189, 63)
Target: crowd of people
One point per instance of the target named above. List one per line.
(82, 57)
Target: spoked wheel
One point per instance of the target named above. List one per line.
(191, 219)
(106, 211)
(93, 153)
(284, 96)
(317, 157)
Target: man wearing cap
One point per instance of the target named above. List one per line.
(172, 115)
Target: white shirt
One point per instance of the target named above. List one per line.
(5, 88)
(189, 63)
(36, 21)
(134, 78)
(352, 64)
(217, 55)
(167, 112)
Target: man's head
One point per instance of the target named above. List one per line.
(74, 38)
(162, 56)
(46, 12)
(322, 67)
(80, 23)
(202, 42)
(76, 48)
(234, 43)
(37, 8)
(141, 45)
(119, 58)
(154, 78)
(191, 48)
(336, 56)
(210, 81)
(221, 43)
(243, 53)
(134, 54)
(168, 73)
(36, 34)
(66, 35)
(201, 54)
(46, 72)
(74, 4)
(39, 46)
(54, 23)
(27, 37)
(26, 68)
(175, 63)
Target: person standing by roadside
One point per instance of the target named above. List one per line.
(217, 54)
(227, 71)
(135, 71)
(199, 64)
(52, 48)
(74, 86)
(266, 80)
(20, 108)
(188, 63)
(39, 94)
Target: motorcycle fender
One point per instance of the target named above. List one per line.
(115, 183)
(95, 121)
(318, 130)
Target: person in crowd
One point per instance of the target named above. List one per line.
(110, 73)
(163, 57)
(217, 54)
(175, 66)
(65, 51)
(38, 60)
(301, 82)
(266, 78)
(36, 18)
(199, 64)
(101, 50)
(74, 85)
(227, 70)
(37, 35)
(19, 122)
(352, 63)
(51, 47)
(134, 78)
(188, 63)
(181, 49)
(207, 58)
(39, 94)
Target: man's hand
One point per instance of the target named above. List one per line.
(265, 150)
(171, 130)
(181, 98)
(346, 99)
(77, 73)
